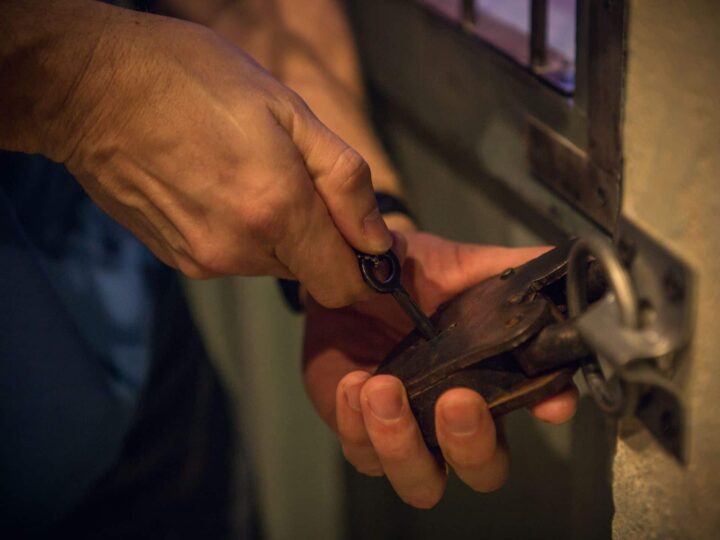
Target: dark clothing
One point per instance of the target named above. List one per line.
(113, 420)
(173, 479)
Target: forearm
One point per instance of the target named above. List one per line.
(309, 47)
(45, 47)
(58, 61)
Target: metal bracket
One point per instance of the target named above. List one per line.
(639, 330)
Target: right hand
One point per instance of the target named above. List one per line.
(216, 166)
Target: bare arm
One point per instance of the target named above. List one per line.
(309, 46)
(183, 138)
(44, 54)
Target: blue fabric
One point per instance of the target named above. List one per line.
(77, 293)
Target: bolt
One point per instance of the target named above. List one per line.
(669, 425)
(515, 298)
(672, 283)
(507, 273)
(601, 197)
(627, 251)
(648, 315)
(513, 321)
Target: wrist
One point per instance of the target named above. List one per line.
(42, 50)
(58, 60)
(117, 77)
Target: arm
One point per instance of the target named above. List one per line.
(41, 63)
(321, 66)
(179, 135)
(371, 415)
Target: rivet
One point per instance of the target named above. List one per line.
(673, 285)
(627, 251)
(507, 273)
(601, 197)
(515, 298)
(513, 321)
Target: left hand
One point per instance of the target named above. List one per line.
(371, 415)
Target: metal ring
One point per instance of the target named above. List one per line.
(370, 263)
(617, 277)
(613, 396)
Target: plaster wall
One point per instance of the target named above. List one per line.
(672, 188)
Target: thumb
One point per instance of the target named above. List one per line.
(342, 179)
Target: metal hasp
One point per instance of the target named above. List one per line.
(622, 314)
(638, 332)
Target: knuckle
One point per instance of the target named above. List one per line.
(350, 170)
(263, 222)
(287, 106)
(296, 103)
(210, 260)
(189, 268)
(266, 218)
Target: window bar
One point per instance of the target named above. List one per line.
(468, 16)
(538, 34)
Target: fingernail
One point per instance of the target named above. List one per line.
(385, 401)
(376, 231)
(352, 392)
(462, 415)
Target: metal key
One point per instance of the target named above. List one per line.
(371, 264)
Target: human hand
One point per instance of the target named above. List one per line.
(217, 167)
(371, 414)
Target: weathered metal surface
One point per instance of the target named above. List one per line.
(538, 33)
(554, 345)
(571, 172)
(606, 83)
(638, 331)
(479, 331)
(447, 99)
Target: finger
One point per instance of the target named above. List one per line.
(312, 248)
(354, 438)
(322, 261)
(558, 409)
(466, 433)
(342, 179)
(411, 469)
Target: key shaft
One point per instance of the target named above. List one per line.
(390, 283)
(421, 321)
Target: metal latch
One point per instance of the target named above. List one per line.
(621, 314)
(638, 330)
